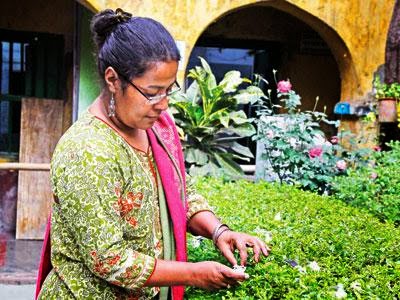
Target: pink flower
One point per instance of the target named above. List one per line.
(341, 165)
(284, 86)
(315, 152)
(377, 148)
(373, 176)
(334, 140)
(270, 134)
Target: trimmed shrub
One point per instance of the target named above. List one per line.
(375, 187)
(357, 255)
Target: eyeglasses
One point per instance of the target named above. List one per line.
(157, 98)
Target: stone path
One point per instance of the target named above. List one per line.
(19, 260)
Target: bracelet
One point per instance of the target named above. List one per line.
(216, 228)
(220, 233)
(216, 233)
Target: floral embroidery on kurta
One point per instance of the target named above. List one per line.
(106, 229)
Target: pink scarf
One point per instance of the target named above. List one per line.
(167, 151)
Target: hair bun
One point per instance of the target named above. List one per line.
(122, 16)
(104, 22)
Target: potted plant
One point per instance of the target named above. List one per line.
(388, 95)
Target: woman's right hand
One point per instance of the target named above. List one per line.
(212, 275)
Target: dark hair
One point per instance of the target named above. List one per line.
(130, 44)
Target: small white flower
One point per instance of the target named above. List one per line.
(356, 286)
(319, 140)
(293, 142)
(314, 266)
(196, 241)
(278, 217)
(275, 153)
(340, 292)
(300, 269)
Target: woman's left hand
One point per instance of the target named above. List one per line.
(228, 241)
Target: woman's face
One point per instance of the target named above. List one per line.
(132, 108)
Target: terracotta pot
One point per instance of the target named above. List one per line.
(387, 108)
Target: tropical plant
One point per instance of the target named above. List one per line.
(209, 115)
(321, 247)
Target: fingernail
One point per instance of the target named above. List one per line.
(246, 276)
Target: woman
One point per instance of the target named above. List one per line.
(121, 207)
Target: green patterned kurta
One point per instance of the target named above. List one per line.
(106, 228)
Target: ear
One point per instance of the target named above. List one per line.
(111, 79)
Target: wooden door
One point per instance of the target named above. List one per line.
(41, 128)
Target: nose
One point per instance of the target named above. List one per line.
(163, 104)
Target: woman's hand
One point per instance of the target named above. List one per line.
(228, 241)
(212, 275)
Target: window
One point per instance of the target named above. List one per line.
(31, 65)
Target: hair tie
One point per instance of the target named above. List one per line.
(122, 16)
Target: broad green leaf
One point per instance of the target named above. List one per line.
(240, 157)
(229, 166)
(243, 130)
(196, 156)
(208, 169)
(210, 78)
(192, 92)
(239, 117)
(250, 95)
(205, 65)
(224, 120)
(231, 81)
(242, 150)
(178, 97)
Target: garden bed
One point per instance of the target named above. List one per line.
(357, 256)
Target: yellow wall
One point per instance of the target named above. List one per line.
(355, 30)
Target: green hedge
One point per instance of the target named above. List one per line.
(351, 247)
(376, 187)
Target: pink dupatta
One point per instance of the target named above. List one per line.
(167, 151)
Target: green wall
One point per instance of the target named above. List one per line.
(89, 84)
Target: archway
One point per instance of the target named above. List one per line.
(260, 37)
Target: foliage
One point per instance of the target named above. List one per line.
(351, 248)
(296, 149)
(386, 90)
(375, 187)
(208, 114)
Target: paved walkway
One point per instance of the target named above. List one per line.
(19, 260)
(17, 292)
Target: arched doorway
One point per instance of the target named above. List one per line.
(260, 37)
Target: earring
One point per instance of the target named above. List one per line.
(111, 107)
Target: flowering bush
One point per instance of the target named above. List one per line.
(295, 149)
(284, 86)
(376, 186)
(321, 248)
